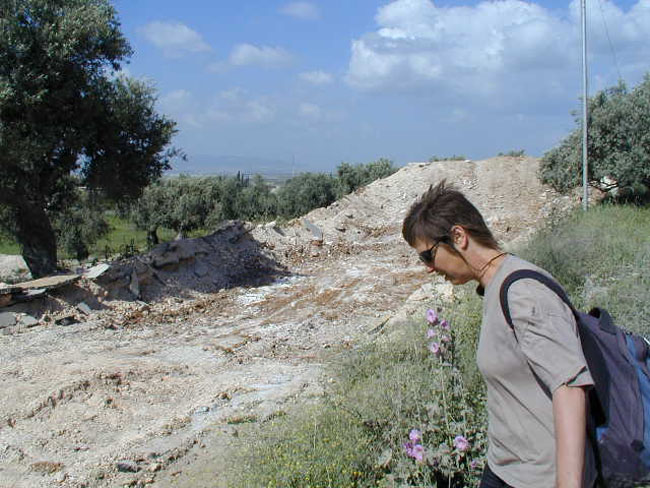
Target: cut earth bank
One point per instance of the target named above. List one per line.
(142, 375)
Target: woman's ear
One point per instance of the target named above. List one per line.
(458, 237)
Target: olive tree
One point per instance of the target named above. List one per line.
(618, 140)
(64, 115)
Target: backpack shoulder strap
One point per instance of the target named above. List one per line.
(503, 298)
(535, 275)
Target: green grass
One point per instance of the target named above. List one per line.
(8, 245)
(602, 258)
(122, 237)
(394, 384)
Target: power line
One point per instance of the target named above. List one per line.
(609, 40)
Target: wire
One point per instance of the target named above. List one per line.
(609, 40)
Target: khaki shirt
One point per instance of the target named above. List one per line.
(521, 440)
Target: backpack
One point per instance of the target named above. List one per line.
(618, 420)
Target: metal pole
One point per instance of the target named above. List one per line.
(585, 187)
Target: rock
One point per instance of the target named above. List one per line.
(46, 467)
(13, 268)
(154, 467)
(60, 477)
(134, 285)
(316, 231)
(200, 269)
(7, 319)
(49, 282)
(5, 299)
(96, 271)
(67, 320)
(28, 295)
(28, 321)
(84, 308)
(127, 467)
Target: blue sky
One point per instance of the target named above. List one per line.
(263, 83)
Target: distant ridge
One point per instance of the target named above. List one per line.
(206, 165)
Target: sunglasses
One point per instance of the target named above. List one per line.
(429, 256)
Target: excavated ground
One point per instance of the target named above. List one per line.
(145, 392)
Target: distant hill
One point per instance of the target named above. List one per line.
(204, 165)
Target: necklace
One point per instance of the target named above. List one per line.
(484, 268)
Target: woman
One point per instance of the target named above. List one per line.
(536, 374)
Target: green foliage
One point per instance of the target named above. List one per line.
(514, 153)
(152, 209)
(189, 202)
(257, 202)
(454, 157)
(601, 257)
(64, 114)
(124, 236)
(351, 177)
(81, 225)
(322, 447)
(305, 192)
(618, 144)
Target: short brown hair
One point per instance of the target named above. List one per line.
(438, 210)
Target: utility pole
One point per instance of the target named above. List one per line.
(585, 187)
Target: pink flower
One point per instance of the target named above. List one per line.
(431, 333)
(445, 325)
(460, 443)
(473, 464)
(432, 316)
(418, 452)
(445, 338)
(415, 435)
(415, 451)
(434, 347)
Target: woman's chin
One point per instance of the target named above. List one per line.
(456, 280)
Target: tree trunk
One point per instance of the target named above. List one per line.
(35, 234)
(152, 238)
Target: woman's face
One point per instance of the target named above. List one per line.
(445, 261)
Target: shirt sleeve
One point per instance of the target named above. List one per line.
(547, 334)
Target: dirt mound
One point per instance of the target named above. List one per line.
(506, 190)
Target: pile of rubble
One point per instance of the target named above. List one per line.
(227, 258)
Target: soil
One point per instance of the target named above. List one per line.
(151, 385)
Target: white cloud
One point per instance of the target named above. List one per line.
(174, 38)
(181, 106)
(310, 111)
(315, 115)
(248, 54)
(301, 10)
(496, 47)
(316, 77)
(236, 105)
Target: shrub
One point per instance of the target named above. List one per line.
(351, 177)
(454, 157)
(514, 153)
(305, 192)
